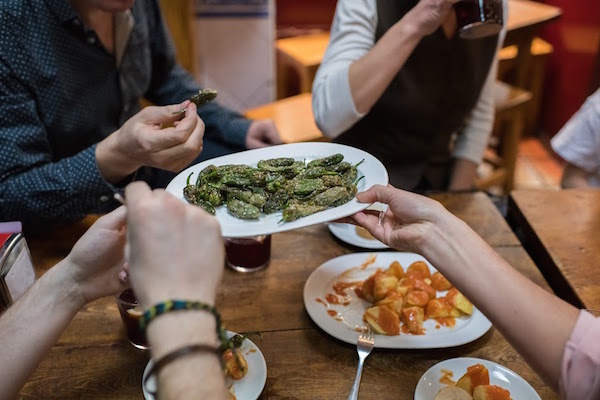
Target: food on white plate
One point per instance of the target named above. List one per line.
(403, 300)
(473, 385)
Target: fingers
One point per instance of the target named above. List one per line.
(136, 191)
(113, 220)
(378, 193)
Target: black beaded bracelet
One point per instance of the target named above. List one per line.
(172, 356)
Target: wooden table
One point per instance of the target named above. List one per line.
(562, 233)
(93, 359)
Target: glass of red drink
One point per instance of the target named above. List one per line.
(248, 254)
(478, 18)
(130, 314)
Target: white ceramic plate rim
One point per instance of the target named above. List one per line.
(347, 233)
(429, 385)
(247, 388)
(372, 169)
(319, 283)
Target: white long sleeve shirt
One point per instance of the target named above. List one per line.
(353, 36)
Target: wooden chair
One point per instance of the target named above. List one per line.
(179, 17)
(511, 104)
(302, 56)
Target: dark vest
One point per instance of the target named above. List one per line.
(410, 127)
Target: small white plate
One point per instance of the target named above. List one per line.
(247, 388)
(429, 385)
(346, 320)
(371, 169)
(347, 232)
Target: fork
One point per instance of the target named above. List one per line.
(364, 345)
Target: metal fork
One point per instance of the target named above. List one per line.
(364, 345)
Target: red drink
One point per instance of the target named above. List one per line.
(130, 314)
(248, 254)
(478, 18)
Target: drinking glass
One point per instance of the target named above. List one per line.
(248, 254)
(130, 314)
(478, 18)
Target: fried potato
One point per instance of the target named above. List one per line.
(235, 364)
(396, 269)
(383, 284)
(394, 301)
(439, 282)
(452, 393)
(383, 320)
(418, 269)
(490, 392)
(458, 300)
(417, 298)
(476, 375)
(413, 318)
(440, 308)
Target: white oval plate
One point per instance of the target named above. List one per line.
(372, 169)
(429, 385)
(320, 283)
(247, 388)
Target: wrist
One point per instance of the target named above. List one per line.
(409, 30)
(67, 291)
(112, 164)
(170, 331)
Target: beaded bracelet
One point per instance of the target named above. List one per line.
(172, 356)
(176, 305)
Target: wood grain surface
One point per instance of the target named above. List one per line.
(94, 360)
(561, 230)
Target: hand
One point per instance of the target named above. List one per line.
(175, 249)
(406, 223)
(95, 264)
(262, 133)
(427, 16)
(143, 141)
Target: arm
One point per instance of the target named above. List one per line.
(578, 142)
(574, 177)
(345, 86)
(30, 327)
(160, 226)
(537, 323)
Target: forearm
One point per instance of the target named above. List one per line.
(463, 175)
(194, 376)
(574, 177)
(65, 190)
(386, 58)
(536, 322)
(31, 326)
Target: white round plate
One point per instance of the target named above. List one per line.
(347, 319)
(247, 388)
(371, 168)
(429, 385)
(347, 232)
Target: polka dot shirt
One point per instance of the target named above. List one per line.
(61, 93)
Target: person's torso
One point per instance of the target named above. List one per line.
(78, 92)
(428, 100)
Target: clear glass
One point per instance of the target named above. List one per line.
(130, 314)
(248, 254)
(478, 18)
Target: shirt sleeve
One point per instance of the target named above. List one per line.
(580, 369)
(352, 36)
(34, 188)
(473, 139)
(171, 84)
(578, 141)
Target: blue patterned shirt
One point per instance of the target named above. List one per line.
(61, 93)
